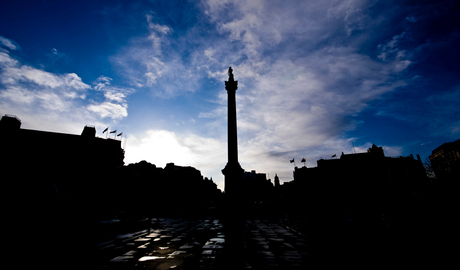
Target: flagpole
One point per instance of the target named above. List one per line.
(114, 134)
(124, 143)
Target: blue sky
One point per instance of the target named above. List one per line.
(315, 77)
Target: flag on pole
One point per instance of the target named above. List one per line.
(119, 134)
(303, 160)
(115, 131)
(105, 130)
(291, 161)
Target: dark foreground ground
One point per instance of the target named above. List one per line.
(237, 243)
(205, 244)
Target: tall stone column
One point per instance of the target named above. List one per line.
(233, 219)
(232, 171)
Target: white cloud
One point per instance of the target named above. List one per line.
(108, 109)
(390, 48)
(165, 76)
(146, 63)
(28, 86)
(402, 65)
(8, 43)
(28, 74)
(114, 96)
(101, 82)
(115, 105)
(164, 29)
(18, 95)
(7, 61)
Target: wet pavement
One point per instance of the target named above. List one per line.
(203, 244)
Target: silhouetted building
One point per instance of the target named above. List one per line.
(42, 163)
(361, 185)
(277, 181)
(445, 161)
(34, 147)
(253, 175)
(365, 166)
(172, 191)
(256, 186)
(232, 170)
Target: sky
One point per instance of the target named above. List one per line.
(316, 78)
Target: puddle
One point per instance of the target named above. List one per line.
(142, 240)
(143, 246)
(149, 258)
(178, 252)
(217, 240)
(212, 246)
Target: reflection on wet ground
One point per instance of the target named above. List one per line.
(201, 244)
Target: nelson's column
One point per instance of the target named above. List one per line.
(232, 171)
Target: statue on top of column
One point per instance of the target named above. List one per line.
(230, 74)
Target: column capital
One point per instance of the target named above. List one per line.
(231, 85)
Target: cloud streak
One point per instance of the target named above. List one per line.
(148, 62)
(8, 43)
